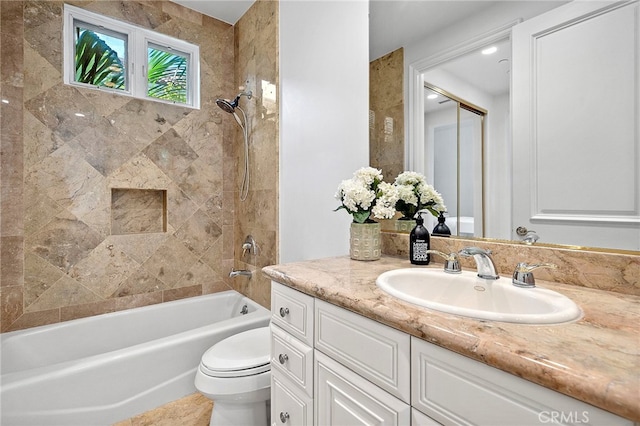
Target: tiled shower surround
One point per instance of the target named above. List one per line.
(135, 202)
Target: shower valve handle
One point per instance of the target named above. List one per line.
(284, 312)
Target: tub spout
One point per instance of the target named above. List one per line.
(235, 273)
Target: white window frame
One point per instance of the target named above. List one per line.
(138, 40)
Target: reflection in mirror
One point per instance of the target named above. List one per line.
(444, 53)
(531, 153)
(452, 159)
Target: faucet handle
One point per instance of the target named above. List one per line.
(249, 246)
(451, 261)
(523, 274)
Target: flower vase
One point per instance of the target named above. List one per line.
(364, 243)
(405, 224)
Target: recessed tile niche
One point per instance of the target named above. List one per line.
(138, 211)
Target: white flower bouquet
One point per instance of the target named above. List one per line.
(366, 195)
(415, 194)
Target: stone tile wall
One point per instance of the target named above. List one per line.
(386, 114)
(59, 256)
(256, 65)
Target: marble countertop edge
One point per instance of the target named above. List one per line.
(595, 359)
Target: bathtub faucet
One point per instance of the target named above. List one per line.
(235, 273)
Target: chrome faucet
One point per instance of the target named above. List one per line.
(235, 273)
(451, 261)
(484, 262)
(530, 238)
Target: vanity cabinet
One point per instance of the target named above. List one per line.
(334, 367)
(331, 366)
(291, 357)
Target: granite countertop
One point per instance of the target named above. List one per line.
(595, 359)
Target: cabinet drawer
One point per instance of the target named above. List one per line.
(292, 311)
(352, 339)
(288, 406)
(344, 398)
(293, 358)
(454, 389)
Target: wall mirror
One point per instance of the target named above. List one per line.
(544, 174)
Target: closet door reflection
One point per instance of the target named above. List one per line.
(453, 159)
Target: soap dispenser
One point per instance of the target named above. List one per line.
(419, 243)
(441, 229)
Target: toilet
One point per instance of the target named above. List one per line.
(235, 373)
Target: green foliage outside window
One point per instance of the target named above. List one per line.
(167, 76)
(97, 63)
(105, 53)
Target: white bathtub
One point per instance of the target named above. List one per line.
(106, 368)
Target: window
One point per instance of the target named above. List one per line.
(167, 74)
(106, 54)
(99, 57)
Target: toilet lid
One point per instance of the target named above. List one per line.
(242, 354)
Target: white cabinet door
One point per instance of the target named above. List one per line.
(343, 398)
(576, 121)
(456, 390)
(351, 339)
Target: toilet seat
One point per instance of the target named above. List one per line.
(240, 355)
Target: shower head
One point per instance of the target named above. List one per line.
(230, 106)
(227, 105)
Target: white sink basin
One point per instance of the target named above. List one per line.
(468, 295)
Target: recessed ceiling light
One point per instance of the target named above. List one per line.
(432, 96)
(490, 50)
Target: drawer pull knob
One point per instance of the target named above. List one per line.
(284, 312)
(284, 416)
(283, 358)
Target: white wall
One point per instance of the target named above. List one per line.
(493, 17)
(324, 138)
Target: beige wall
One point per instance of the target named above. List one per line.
(59, 259)
(386, 120)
